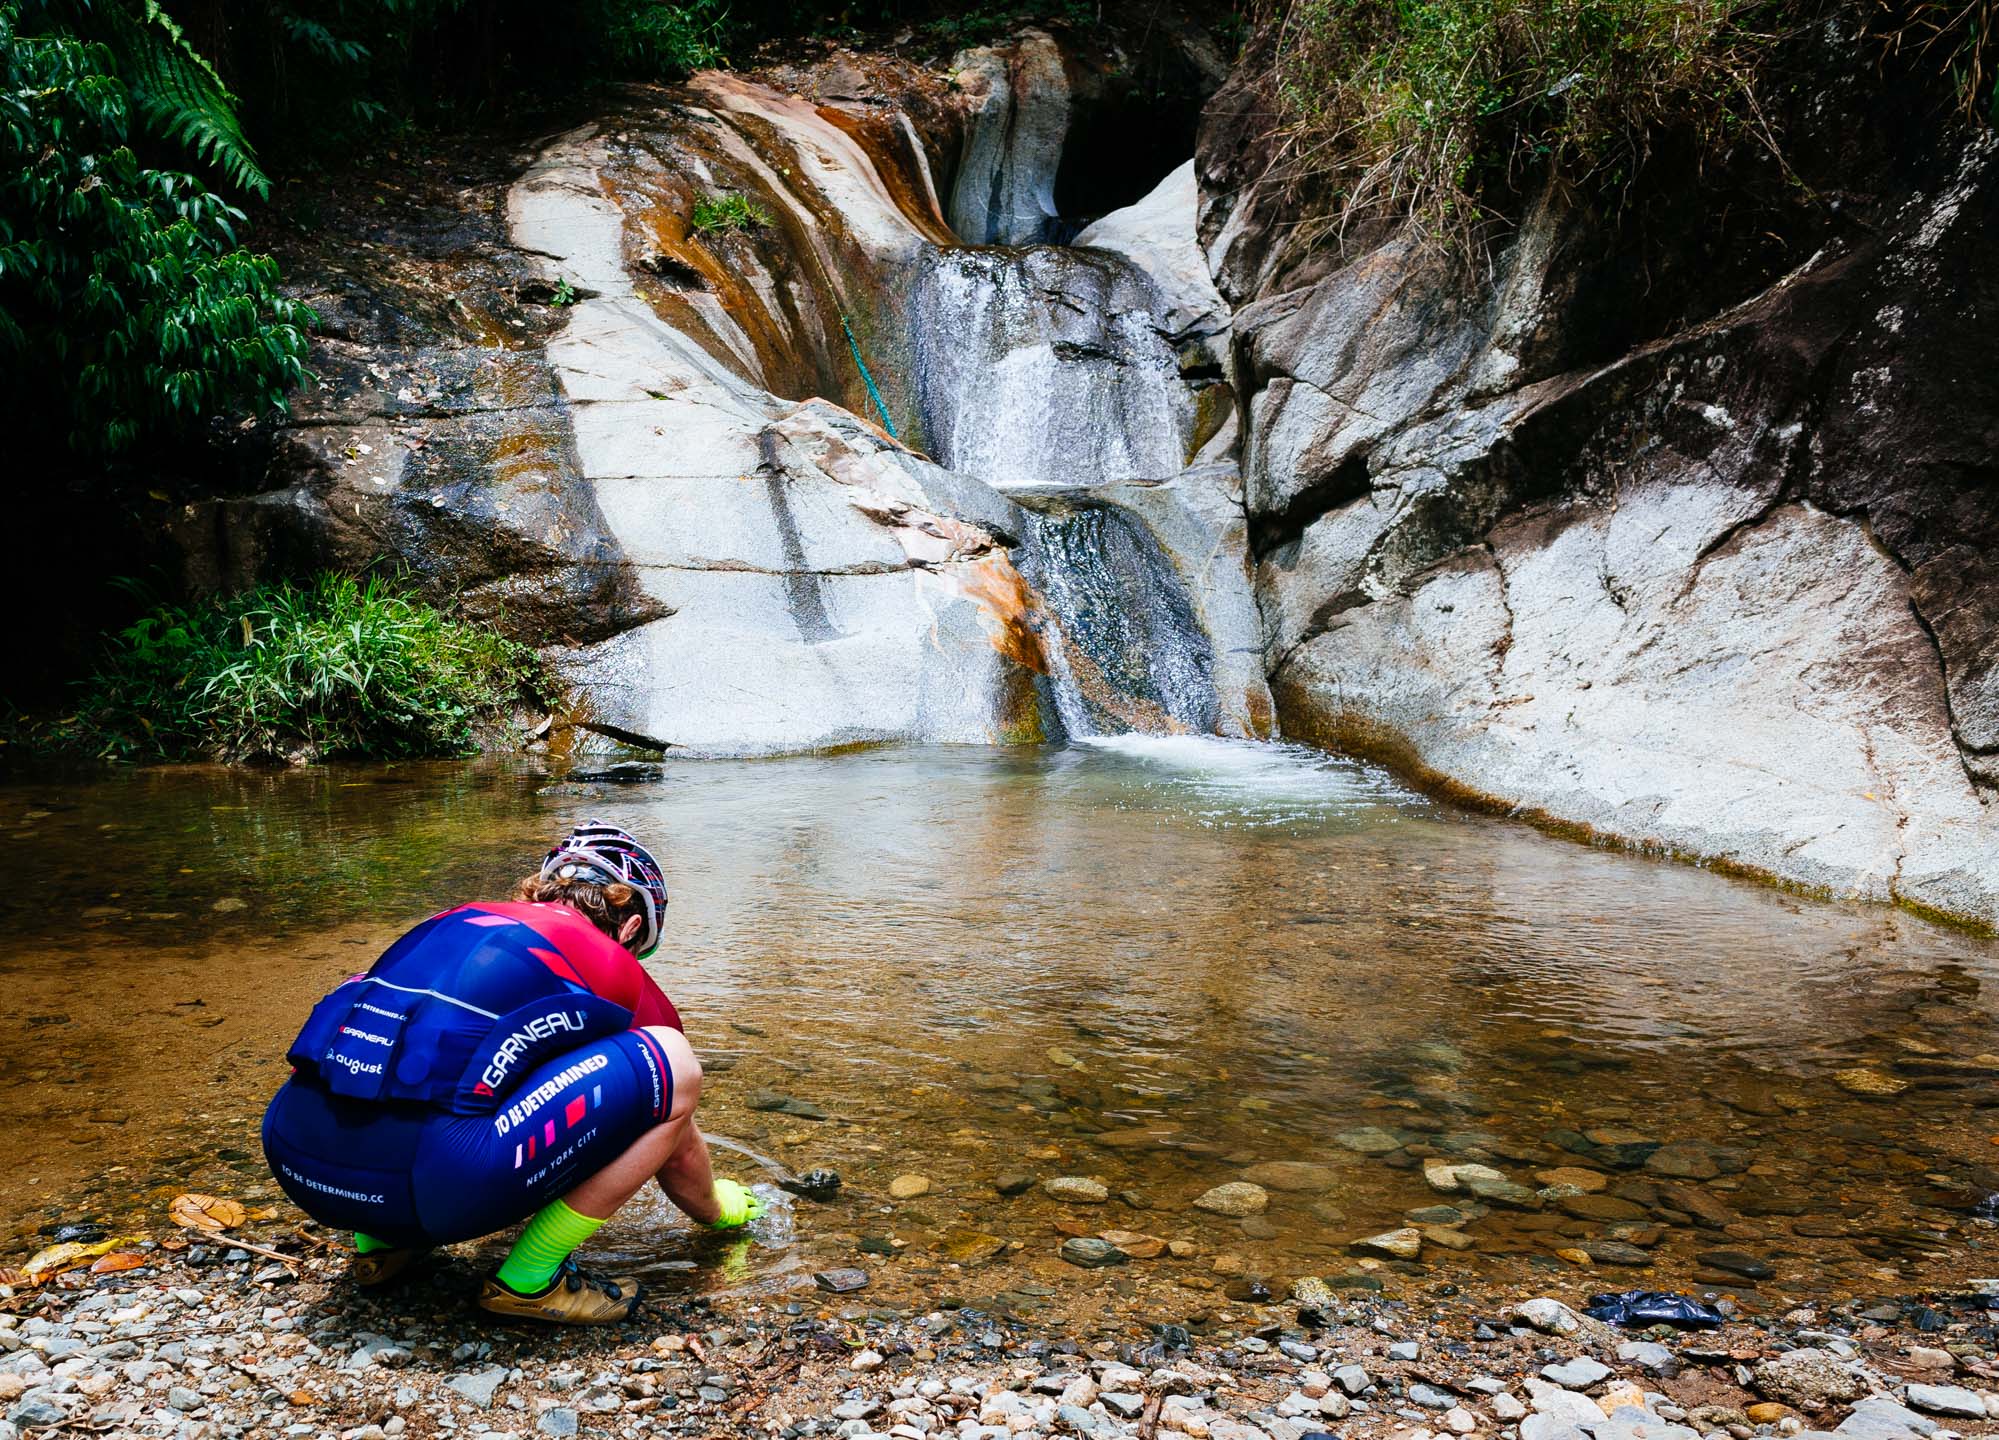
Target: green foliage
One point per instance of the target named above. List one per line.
(1431, 106)
(730, 211)
(564, 296)
(336, 667)
(654, 38)
(174, 87)
(127, 310)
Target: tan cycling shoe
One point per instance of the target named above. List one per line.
(572, 1298)
(379, 1267)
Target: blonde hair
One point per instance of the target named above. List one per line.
(606, 906)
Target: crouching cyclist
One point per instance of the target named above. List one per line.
(503, 1062)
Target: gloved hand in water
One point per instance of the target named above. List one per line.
(738, 1204)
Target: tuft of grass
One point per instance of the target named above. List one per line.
(1433, 108)
(334, 667)
(729, 211)
(1960, 37)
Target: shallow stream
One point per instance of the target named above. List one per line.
(1158, 962)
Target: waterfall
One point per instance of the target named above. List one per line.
(1045, 371)
(1046, 365)
(1126, 651)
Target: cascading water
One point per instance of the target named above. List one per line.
(1046, 365)
(1045, 371)
(1129, 653)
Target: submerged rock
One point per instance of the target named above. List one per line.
(1237, 1199)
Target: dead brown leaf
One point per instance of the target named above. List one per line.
(205, 1212)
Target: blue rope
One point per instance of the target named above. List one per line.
(873, 394)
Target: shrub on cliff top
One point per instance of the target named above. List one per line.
(335, 667)
(1431, 106)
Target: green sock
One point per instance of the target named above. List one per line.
(554, 1231)
(368, 1244)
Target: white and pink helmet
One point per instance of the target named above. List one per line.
(600, 854)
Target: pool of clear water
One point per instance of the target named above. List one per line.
(1162, 964)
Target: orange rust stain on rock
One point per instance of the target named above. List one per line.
(1259, 711)
(1005, 598)
(895, 161)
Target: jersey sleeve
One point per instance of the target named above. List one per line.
(653, 1007)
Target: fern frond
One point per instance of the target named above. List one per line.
(178, 90)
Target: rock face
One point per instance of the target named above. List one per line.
(1718, 583)
(662, 463)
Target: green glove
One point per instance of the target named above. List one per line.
(738, 1205)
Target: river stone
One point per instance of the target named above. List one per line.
(1235, 1199)
(1403, 1244)
(1615, 1252)
(1312, 1296)
(1297, 1176)
(1577, 1374)
(36, 1409)
(1735, 1262)
(971, 1247)
(478, 1386)
(1353, 1379)
(1075, 1190)
(1431, 1398)
(1683, 1160)
(841, 1281)
(1013, 1182)
(1488, 1184)
(1368, 1140)
(1878, 1417)
(1136, 1244)
(1809, 1379)
(1952, 1400)
(1703, 1206)
(1090, 1253)
(1446, 1237)
(560, 1422)
(1575, 1178)
(1550, 1317)
(908, 1187)
(1599, 1207)
(1869, 1083)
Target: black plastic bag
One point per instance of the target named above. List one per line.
(1654, 1307)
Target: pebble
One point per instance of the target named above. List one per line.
(1296, 1176)
(1507, 1407)
(1577, 1374)
(1404, 1244)
(1235, 1199)
(840, 1282)
(1431, 1398)
(1091, 1253)
(908, 1187)
(1353, 1379)
(1075, 1190)
(479, 1386)
(1550, 1317)
(1368, 1140)
(1736, 1262)
(560, 1421)
(1649, 1356)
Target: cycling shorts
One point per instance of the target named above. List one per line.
(409, 1174)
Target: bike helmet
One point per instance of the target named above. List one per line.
(600, 854)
